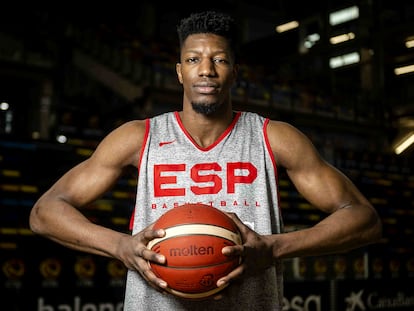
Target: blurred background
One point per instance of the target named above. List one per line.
(341, 71)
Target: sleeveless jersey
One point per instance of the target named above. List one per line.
(237, 173)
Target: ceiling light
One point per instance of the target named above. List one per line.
(4, 106)
(403, 70)
(61, 139)
(342, 16)
(343, 60)
(287, 26)
(409, 43)
(342, 38)
(311, 40)
(404, 143)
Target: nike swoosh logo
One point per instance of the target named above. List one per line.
(166, 143)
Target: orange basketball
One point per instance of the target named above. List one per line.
(195, 236)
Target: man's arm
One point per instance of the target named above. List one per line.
(56, 214)
(352, 221)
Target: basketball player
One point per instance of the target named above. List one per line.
(212, 154)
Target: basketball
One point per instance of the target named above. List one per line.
(195, 236)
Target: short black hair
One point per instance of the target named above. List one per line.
(213, 22)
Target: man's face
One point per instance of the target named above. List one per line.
(206, 71)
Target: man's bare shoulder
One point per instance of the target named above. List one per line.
(123, 144)
(133, 129)
(136, 125)
(281, 129)
(288, 143)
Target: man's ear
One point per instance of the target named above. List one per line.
(178, 70)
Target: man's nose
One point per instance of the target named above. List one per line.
(207, 68)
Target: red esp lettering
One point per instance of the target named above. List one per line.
(164, 175)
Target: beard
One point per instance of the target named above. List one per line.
(205, 109)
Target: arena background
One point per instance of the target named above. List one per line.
(68, 75)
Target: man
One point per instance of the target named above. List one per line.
(212, 154)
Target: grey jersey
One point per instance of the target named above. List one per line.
(237, 173)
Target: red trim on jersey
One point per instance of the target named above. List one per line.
(144, 142)
(272, 156)
(221, 137)
(269, 148)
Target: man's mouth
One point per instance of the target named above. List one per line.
(206, 88)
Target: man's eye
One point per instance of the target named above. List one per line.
(192, 60)
(220, 60)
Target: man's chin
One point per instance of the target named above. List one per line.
(205, 108)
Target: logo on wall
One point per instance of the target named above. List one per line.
(410, 266)
(320, 267)
(50, 269)
(354, 301)
(378, 267)
(117, 272)
(359, 267)
(376, 295)
(85, 269)
(340, 267)
(14, 270)
(395, 266)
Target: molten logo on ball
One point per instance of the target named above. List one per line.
(192, 250)
(195, 236)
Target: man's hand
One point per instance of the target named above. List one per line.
(256, 253)
(135, 255)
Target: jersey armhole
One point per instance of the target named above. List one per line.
(144, 143)
(268, 147)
